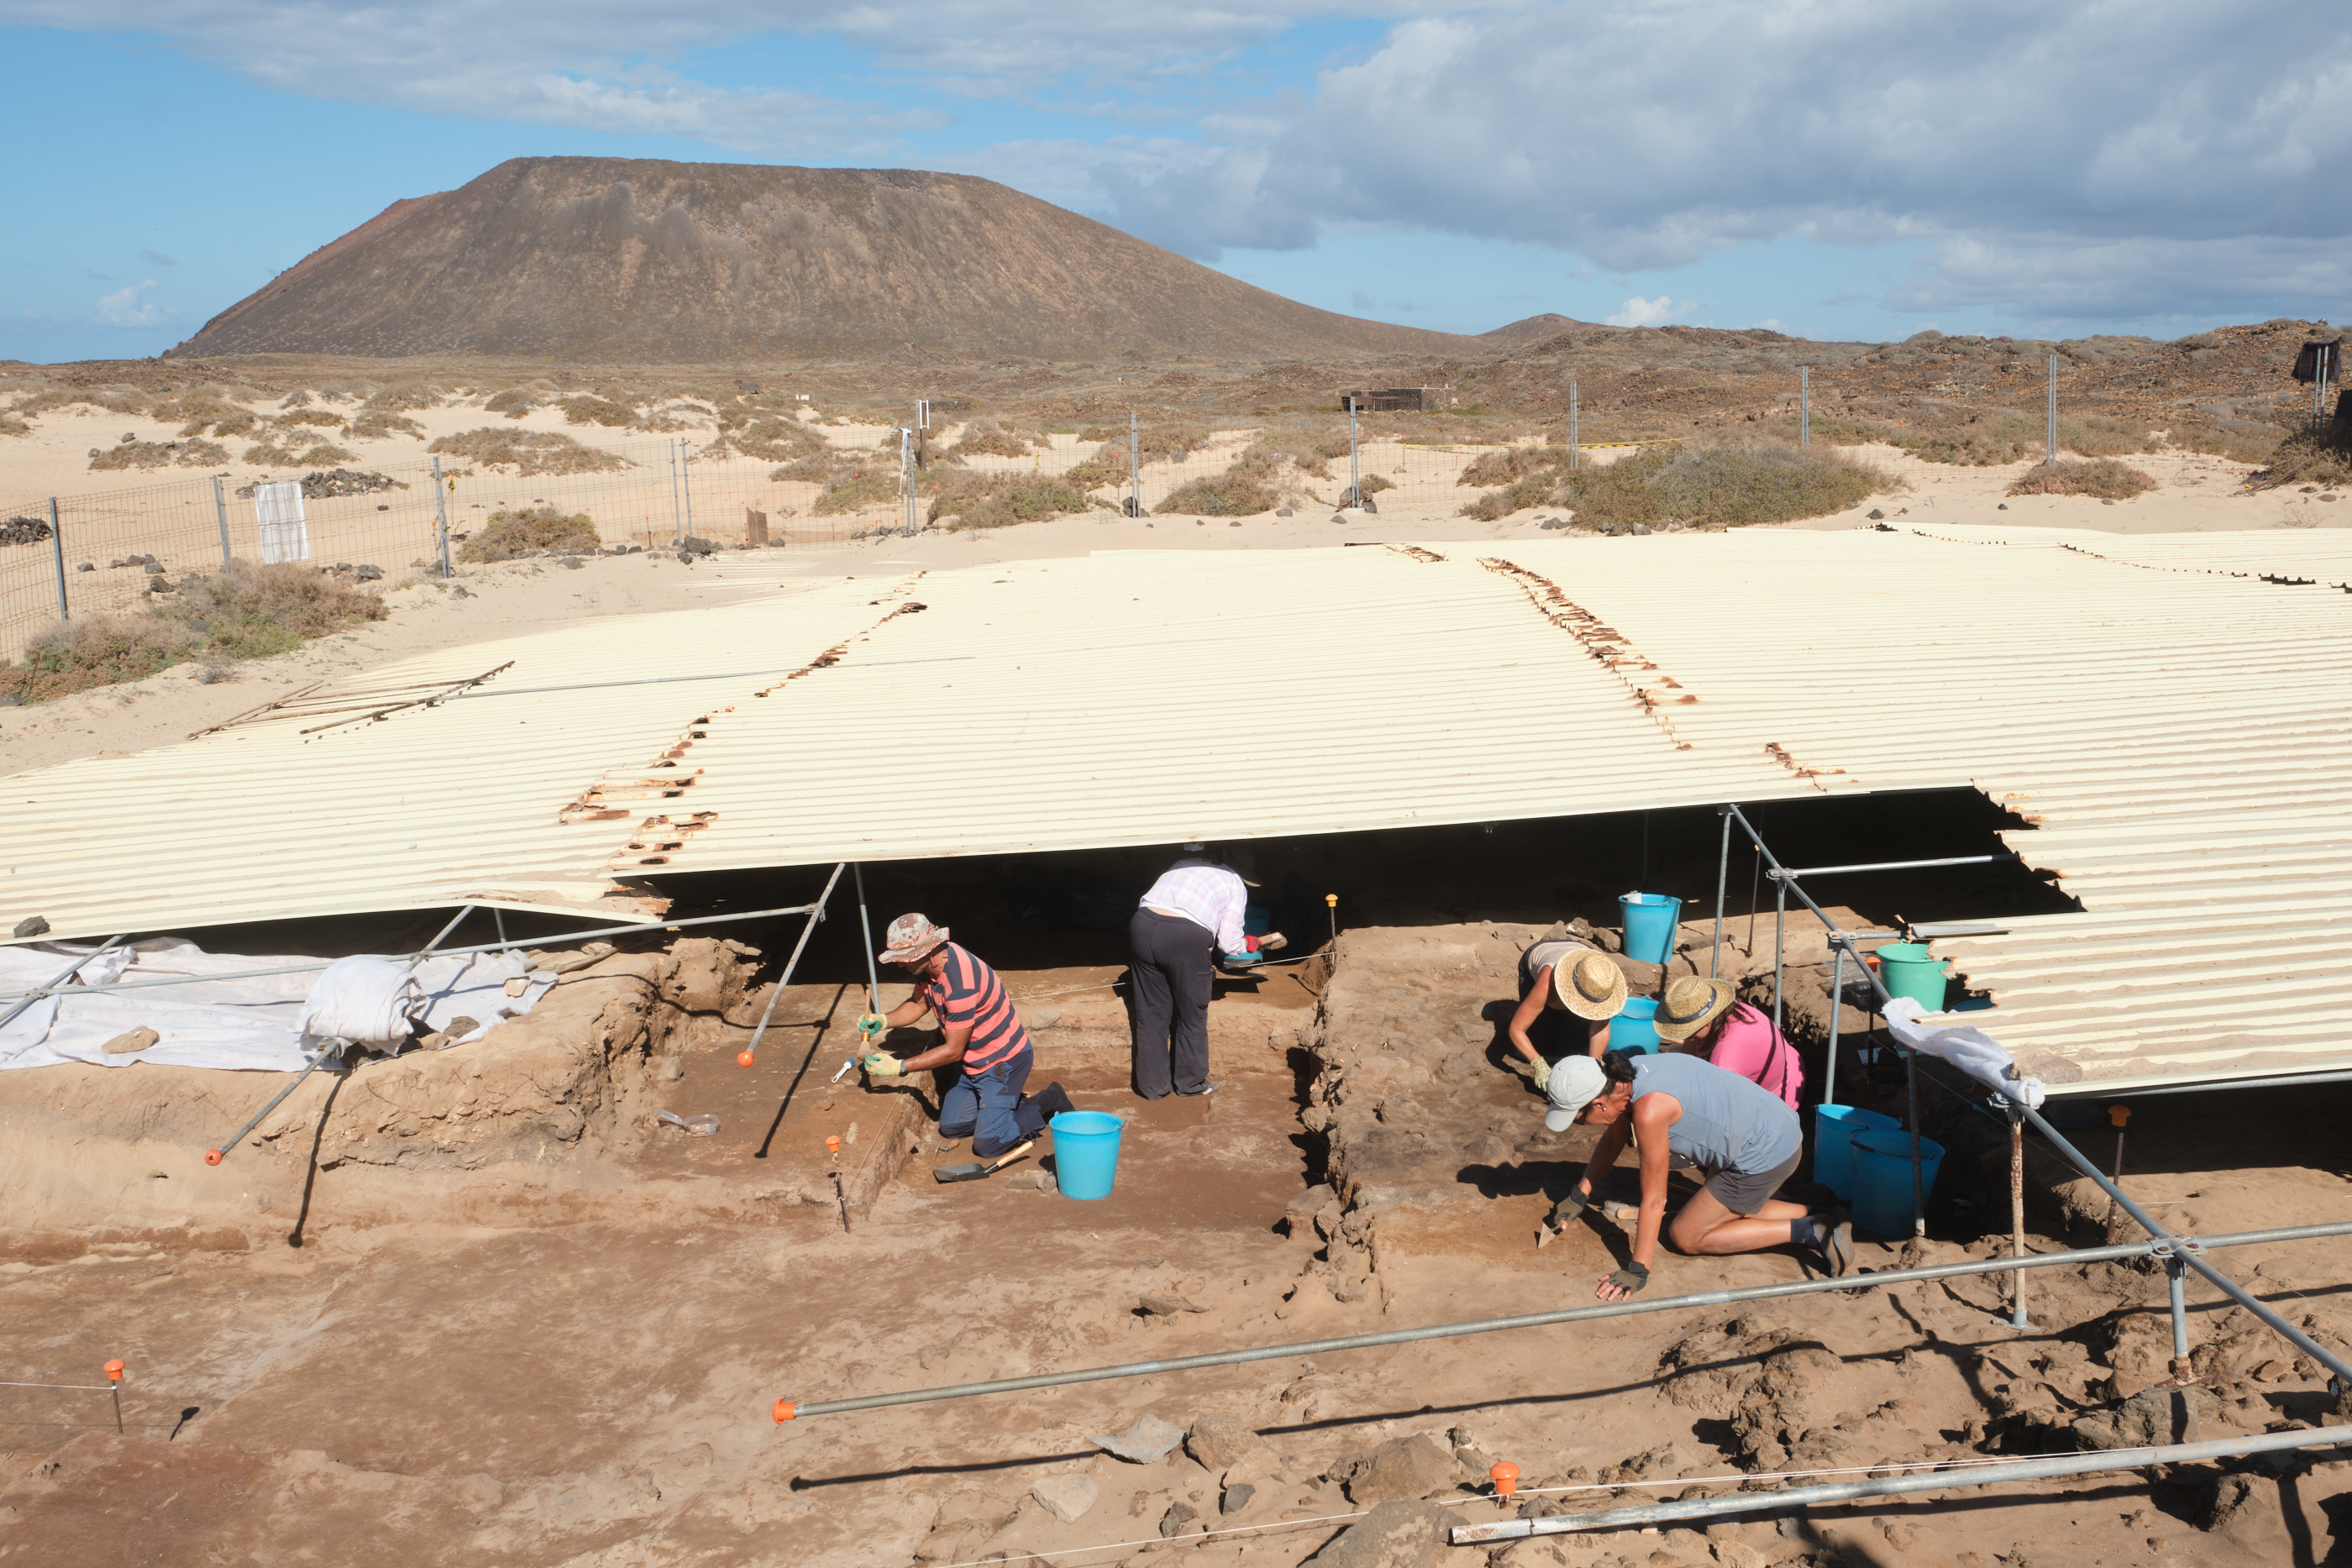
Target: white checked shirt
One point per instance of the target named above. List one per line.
(1205, 894)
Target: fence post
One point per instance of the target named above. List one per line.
(57, 553)
(2051, 460)
(686, 486)
(677, 518)
(220, 513)
(1804, 405)
(1134, 467)
(1572, 421)
(441, 516)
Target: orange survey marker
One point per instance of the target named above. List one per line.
(114, 1386)
(1507, 1477)
(744, 1060)
(782, 1412)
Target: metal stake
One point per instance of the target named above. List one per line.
(331, 1051)
(58, 552)
(1779, 936)
(816, 912)
(1837, 1015)
(1722, 874)
(2182, 1373)
(1134, 466)
(1571, 433)
(1355, 472)
(2016, 1212)
(220, 511)
(1804, 405)
(67, 974)
(2118, 1114)
(685, 488)
(677, 517)
(865, 940)
(1911, 1114)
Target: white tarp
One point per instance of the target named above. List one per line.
(249, 1024)
(278, 509)
(1971, 1050)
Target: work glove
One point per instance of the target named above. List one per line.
(1567, 1209)
(870, 1026)
(882, 1064)
(1539, 1073)
(1630, 1278)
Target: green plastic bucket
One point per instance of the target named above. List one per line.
(1908, 969)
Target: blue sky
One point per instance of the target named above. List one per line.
(1836, 168)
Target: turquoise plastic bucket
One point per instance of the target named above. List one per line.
(1086, 1152)
(1881, 1179)
(1632, 1029)
(1908, 970)
(1833, 1130)
(1650, 920)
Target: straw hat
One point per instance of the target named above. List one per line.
(1591, 988)
(1690, 1005)
(911, 939)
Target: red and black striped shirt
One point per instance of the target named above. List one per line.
(967, 992)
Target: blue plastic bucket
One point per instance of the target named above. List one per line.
(1650, 921)
(1257, 920)
(1908, 970)
(1632, 1028)
(1881, 1179)
(1833, 1130)
(1086, 1152)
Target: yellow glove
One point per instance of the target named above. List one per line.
(1541, 1073)
(871, 1025)
(882, 1064)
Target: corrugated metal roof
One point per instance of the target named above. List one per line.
(2181, 737)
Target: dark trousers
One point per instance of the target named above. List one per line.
(1170, 980)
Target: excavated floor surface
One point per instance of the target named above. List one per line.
(581, 1371)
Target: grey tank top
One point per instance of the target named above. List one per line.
(1728, 1123)
(1553, 955)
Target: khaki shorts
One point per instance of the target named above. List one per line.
(1743, 1194)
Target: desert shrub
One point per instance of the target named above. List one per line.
(1106, 467)
(2099, 435)
(373, 424)
(1375, 483)
(157, 454)
(326, 419)
(986, 437)
(597, 411)
(1102, 432)
(2319, 455)
(2101, 477)
(859, 488)
(403, 400)
(1243, 489)
(1311, 449)
(1510, 464)
(296, 399)
(514, 403)
(1728, 485)
(817, 468)
(527, 451)
(248, 612)
(510, 534)
(199, 411)
(770, 439)
(268, 453)
(11, 425)
(993, 501)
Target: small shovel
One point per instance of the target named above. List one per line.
(974, 1172)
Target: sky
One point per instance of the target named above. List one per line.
(1831, 169)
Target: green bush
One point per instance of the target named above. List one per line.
(2322, 456)
(597, 411)
(527, 451)
(1723, 484)
(1242, 490)
(993, 501)
(376, 425)
(247, 611)
(514, 403)
(2103, 476)
(858, 490)
(986, 437)
(510, 534)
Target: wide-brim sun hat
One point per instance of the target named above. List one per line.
(1576, 1082)
(1592, 988)
(1690, 1005)
(911, 939)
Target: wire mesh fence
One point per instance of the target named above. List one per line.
(109, 552)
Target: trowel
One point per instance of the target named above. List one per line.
(974, 1172)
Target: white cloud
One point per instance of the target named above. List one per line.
(1639, 312)
(130, 306)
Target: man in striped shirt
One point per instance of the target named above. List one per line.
(979, 1033)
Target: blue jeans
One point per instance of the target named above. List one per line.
(990, 1108)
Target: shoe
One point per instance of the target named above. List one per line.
(1838, 1243)
(1203, 1088)
(1053, 1100)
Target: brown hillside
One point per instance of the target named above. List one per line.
(631, 258)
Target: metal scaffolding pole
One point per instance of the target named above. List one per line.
(816, 912)
(1897, 1486)
(1722, 874)
(787, 1410)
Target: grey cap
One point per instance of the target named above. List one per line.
(1576, 1082)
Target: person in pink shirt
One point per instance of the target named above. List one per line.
(1706, 1019)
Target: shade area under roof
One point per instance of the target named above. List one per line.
(2176, 726)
